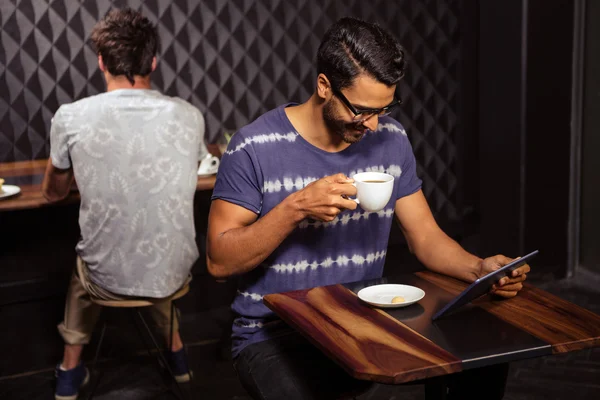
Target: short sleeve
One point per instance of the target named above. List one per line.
(409, 182)
(239, 176)
(201, 127)
(59, 142)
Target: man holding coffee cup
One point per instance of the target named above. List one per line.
(285, 215)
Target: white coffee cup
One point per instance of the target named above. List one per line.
(374, 190)
(208, 165)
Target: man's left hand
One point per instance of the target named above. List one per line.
(510, 285)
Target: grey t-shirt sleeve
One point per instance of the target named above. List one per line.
(199, 119)
(59, 142)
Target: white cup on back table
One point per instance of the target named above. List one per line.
(208, 165)
(374, 190)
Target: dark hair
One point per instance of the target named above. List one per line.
(351, 47)
(127, 42)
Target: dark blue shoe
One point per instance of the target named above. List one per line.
(178, 364)
(69, 382)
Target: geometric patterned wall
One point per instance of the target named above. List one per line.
(234, 60)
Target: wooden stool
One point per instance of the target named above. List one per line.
(135, 305)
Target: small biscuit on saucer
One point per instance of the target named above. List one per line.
(398, 299)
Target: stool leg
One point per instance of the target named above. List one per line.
(140, 333)
(159, 352)
(172, 328)
(97, 380)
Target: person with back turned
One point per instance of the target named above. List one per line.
(134, 154)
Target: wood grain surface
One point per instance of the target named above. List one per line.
(32, 173)
(365, 341)
(560, 323)
(402, 345)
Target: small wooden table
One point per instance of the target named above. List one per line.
(403, 344)
(28, 175)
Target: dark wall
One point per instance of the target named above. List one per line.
(501, 126)
(590, 185)
(548, 130)
(234, 60)
(525, 66)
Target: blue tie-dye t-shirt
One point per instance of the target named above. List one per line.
(268, 160)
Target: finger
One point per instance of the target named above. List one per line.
(502, 283)
(502, 291)
(345, 189)
(505, 294)
(330, 214)
(512, 287)
(347, 204)
(506, 280)
(502, 259)
(522, 270)
(339, 178)
(519, 278)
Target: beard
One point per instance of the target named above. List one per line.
(349, 132)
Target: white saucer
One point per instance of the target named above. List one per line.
(9, 190)
(382, 295)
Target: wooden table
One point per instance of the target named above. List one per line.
(404, 344)
(28, 175)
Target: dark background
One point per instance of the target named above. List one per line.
(235, 60)
(499, 102)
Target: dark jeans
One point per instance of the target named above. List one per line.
(291, 368)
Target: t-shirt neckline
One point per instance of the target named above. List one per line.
(342, 153)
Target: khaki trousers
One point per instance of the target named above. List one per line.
(81, 314)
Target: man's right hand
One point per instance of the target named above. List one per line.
(324, 199)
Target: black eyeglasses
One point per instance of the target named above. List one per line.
(365, 114)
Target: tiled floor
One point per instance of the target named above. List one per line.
(574, 376)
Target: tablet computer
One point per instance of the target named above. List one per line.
(482, 285)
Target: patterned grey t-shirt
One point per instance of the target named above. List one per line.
(134, 153)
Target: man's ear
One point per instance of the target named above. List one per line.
(101, 63)
(323, 87)
(153, 63)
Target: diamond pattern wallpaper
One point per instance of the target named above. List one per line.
(234, 60)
